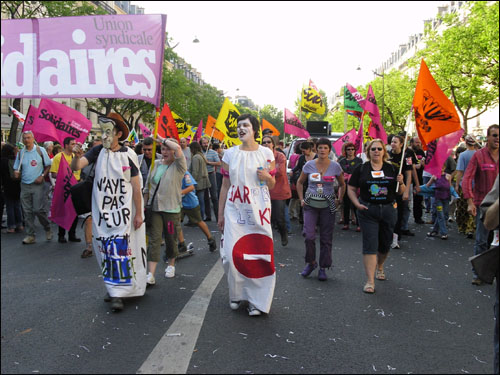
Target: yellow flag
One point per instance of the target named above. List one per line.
(183, 129)
(312, 101)
(226, 123)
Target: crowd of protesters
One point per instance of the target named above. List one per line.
(375, 191)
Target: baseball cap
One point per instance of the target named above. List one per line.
(469, 139)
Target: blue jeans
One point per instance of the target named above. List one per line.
(481, 243)
(406, 215)
(14, 215)
(427, 200)
(287, 219)
(442, 207)
(201, 198)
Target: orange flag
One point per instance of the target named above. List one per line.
(435, 114)
(267, 125)
(211, 128)
(166, 124)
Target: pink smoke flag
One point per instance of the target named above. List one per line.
(62, 211)
(55, 122)
(197, 136)
(20, 117)
(439, 150)
(347, 137)
(376, 129)
(358, 143)
(294, 126)
(359, 98)
(145, 131)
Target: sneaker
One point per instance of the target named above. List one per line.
(234, 305)
(309, 268)
(450, 220)
(253, 311)
(182, 247)
(358, 229)
(470, 235)
(395, 245)
(477, 281)
(150, 279)
(170, 272)
(29, 240)
(48, 234)
(75, 239)
(419, 221)
(212, 244)
(322, 275)
(62, 240)
(407, 232)
(116, 304)
(444, 237)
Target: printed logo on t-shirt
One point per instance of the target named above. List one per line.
(488, 167)
(315, 177)
(377, 190)
(34, 163)
(409, 161)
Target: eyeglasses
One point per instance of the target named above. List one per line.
(376, 149)
(266, 142)
(494, 135)
(349, 149)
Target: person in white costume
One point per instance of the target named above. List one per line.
(117, 212)
(245, 220)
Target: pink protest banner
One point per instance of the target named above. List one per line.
(376, 129)
(31, 116)
(145, 131)
(294, 126)
(119, 56)
(55, 122)
(358, 142)
(439, 150)
(62, 211)
(197, 136)
(347, 137)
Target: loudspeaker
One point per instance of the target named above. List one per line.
(318, 127)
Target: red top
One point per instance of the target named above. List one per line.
(281, 190)
(483, 170)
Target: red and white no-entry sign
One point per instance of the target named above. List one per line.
(253, 256)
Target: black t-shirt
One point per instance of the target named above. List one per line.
(419, 155)
(377, 187)
(92, 155)
(395, 160)
(348, 166)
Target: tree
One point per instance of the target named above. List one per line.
(39, 9)
(464, 58)
(273, 115)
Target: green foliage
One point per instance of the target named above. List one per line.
(273, 115)
(41, 9)
(463, 59)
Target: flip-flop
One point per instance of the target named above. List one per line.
(380, 275)
(369, 288)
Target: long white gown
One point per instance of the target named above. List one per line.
(247, 250)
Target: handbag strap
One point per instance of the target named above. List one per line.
(157, 186)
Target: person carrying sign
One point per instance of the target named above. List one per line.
(245, 220)
(119, 237)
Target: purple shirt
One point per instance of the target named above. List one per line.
(326, 181)
(442, 186)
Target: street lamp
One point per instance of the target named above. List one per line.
(383, 92)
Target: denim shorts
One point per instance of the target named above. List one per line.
(377, 227)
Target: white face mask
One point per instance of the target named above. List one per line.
(245, 131)
(107, 134)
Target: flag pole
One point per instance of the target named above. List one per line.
(407, 130)
(210, 141)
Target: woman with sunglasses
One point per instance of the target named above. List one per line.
(281, 191)
(349, 161)
(320, 204)
(377, 180)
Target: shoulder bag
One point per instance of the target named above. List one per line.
(81, 193)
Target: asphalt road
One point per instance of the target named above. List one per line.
(425, 318)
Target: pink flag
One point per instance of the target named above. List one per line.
(294, 126)
(376, 129)
(31, 116)
(145, 131)
(55, 122)
(358, 144)
(197, 136)
(361, 101)
(62, 211)
(439, 150)
(347, 137)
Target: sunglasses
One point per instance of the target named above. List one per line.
(376, 149)
(349, 149)
(266, 142)
(494, 135)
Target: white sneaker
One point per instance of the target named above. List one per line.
(170, 272)
(234, 305)
(150, 279)
(253, 311)
(48, 235)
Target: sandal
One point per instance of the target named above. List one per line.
(379, 274)
(369, 288)
(87, 253)
(432, 234)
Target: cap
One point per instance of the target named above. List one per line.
(469, 139)
(120, 123)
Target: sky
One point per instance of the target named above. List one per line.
(268, 50)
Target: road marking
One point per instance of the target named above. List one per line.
(173, 352)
